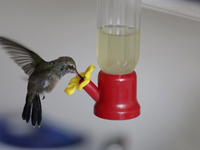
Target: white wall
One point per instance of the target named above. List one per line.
(168, 72)
(187, 8)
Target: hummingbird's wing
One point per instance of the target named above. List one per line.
(25, 58)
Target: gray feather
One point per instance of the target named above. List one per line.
(25, 58)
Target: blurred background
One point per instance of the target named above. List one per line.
(168, 77)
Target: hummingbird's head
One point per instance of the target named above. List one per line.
(66, 65)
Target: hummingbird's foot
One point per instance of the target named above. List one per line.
(42, 96)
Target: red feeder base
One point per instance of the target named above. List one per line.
(117, 97)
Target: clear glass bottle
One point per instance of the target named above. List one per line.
(118, 35)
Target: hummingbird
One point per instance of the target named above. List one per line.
(43, 76)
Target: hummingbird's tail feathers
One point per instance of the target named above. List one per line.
(36, 111)
(32, 109)
(27, 110)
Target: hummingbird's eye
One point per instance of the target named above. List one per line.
(71, 67)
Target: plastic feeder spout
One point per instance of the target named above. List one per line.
(92, 90)
(115, 95)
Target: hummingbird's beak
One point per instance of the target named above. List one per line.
(76, 72)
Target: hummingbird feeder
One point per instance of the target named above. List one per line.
(118, 44)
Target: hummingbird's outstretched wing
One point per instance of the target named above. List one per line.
(25, 58)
